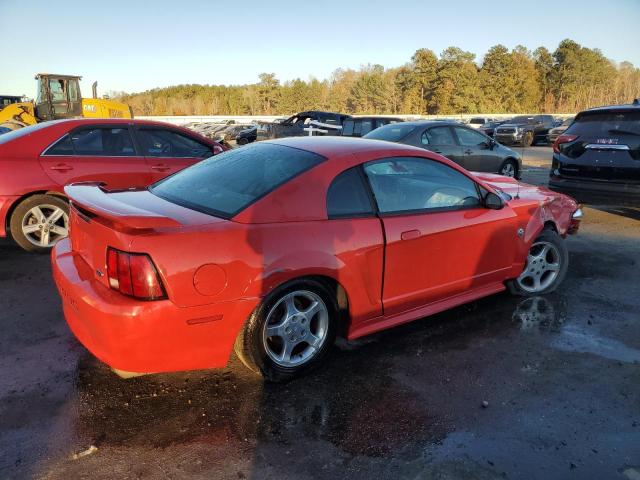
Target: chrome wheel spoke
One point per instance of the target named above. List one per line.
(38, 214)
(274, 330)
(287, 349)
(30, 228)
(311, 311)
(55, 215)
(44, 238)
(60, 231)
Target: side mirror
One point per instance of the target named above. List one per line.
(493, 201)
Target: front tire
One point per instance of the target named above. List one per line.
(39, 222)
(291, 332)
(527, 139)
(546, 266)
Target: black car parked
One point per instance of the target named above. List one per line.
(598, 156)
(360, 126)
(465, 146)
(247, 135)
(524, 130)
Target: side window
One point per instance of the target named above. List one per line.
(348, 197)
(57, 89)
(468, 137)
(61, 147)
(438, 136)
(158, 142)
(406, 184)
(347, 128)
(103, 141)
(367, 126)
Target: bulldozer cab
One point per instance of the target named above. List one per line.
(58, 97)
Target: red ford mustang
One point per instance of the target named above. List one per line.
(278, 247)
(37, 162)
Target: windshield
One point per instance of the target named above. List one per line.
(226, 184)
(392, 132)
(522, 119)
(604, 124)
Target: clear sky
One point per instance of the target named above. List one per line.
(136, 45)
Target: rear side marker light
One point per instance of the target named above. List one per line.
(134, 275)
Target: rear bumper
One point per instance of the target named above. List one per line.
(6, 202)
(594, 190)
(143, 337)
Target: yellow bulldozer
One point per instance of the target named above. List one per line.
(58, 97)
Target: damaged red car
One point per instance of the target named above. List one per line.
(277, 248)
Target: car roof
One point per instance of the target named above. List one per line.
(106, 121)
(627, 107)
(334, 146)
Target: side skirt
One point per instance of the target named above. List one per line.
(383, 323)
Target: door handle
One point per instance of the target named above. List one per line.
(410, 234)
(161, 167)
(62, 167)
(438, 151)
(468, 151)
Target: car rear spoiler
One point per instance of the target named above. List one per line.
(92, 197)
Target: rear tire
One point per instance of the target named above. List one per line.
(267, 354)
(546, 267)
(509, 168)
(527, 139)
(242, 141)
(39, 222)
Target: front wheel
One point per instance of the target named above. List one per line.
(527, 139)
(291, 332)
(39, 222)
(546, 266)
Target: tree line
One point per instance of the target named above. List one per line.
(567, 80)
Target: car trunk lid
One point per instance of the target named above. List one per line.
(100, 219)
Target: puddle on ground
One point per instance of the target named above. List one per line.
(576, 338)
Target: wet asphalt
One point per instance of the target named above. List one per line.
(503, 387)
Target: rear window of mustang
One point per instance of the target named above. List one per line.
(226, 184)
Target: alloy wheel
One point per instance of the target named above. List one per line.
(508, 170)
(542, 268)
(296, 328)
(44, 225)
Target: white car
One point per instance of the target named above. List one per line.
(477, 122)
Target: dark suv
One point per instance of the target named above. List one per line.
(599, 154)
(360, 126)
(524, 130)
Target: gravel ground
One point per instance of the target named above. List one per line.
(500, 388)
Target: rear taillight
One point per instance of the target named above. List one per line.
(134, 274)
(562, 139)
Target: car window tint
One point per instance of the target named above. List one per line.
(102, 141)
(347, 196)
(158, 142)
(61, 147)
(227, 183)
(411, 184)
(469, 137)
(439, 136)
(367, 126)
(392, 132)
(347, 128)
(599, 124)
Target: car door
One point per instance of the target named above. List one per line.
(168, 151)
(440, 240)
(440, 140)
(476, 148)
(97, 153)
